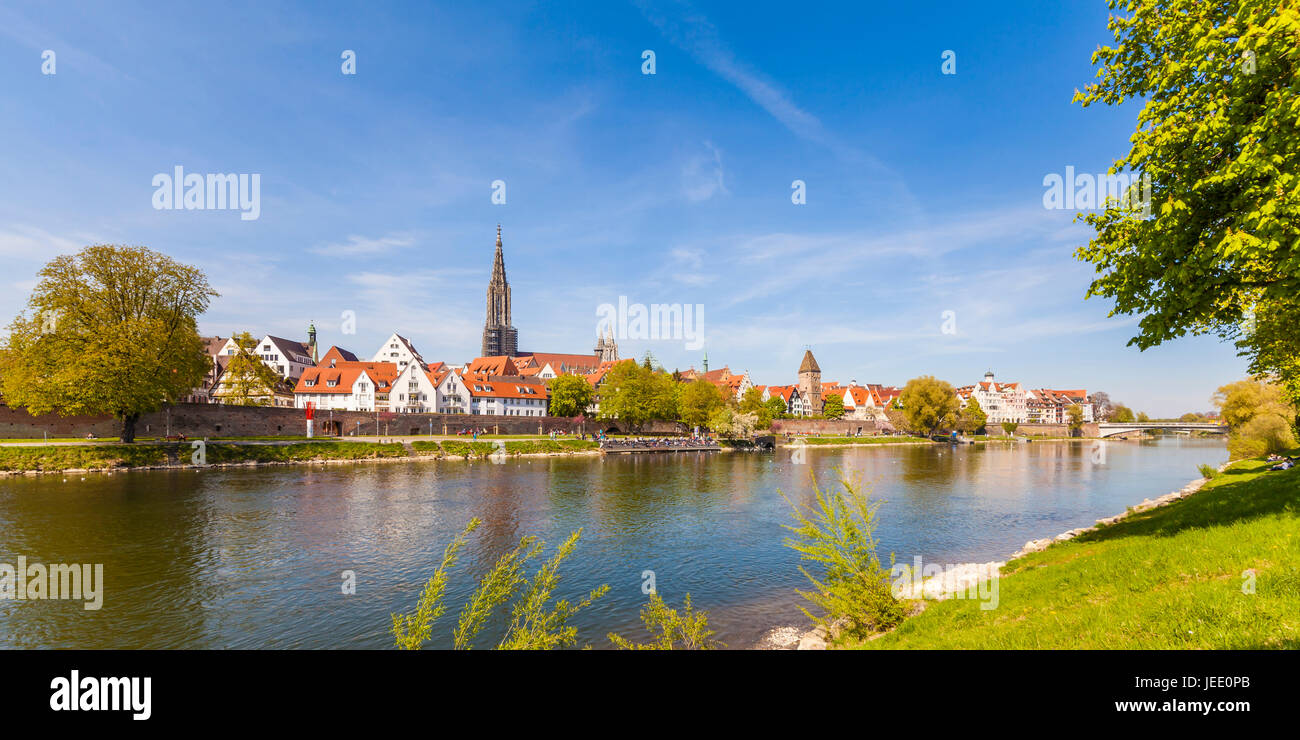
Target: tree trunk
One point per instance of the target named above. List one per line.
(128, 428)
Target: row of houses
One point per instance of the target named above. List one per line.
(1012, 402)
(397, 378)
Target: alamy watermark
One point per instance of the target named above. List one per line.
(57, 581)
(658, 321)
(177, 191)
(1086, 192)
(935, 581)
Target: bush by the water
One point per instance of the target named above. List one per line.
(837, 535)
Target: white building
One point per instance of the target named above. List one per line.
(495, 395)
(289, 359)
(348, 386)
(398, 350)
(415, 391)
(452, 397)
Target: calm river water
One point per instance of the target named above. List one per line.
(253, 557)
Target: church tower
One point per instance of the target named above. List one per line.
(606, 348)
(810, 383)
(499, 336)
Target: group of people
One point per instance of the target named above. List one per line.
(1283, 462)
(654, 442)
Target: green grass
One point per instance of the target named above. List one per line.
(223, 453)
(879, 440)
(1169, 577)
(68, 457)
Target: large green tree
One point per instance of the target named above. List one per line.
(927, 402)
(109, 330)
(833, 406)
(1219, 136)
(699, 399)
(570, 395)
(634, 394)
(972, 417)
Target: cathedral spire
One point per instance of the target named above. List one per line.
(499, 335)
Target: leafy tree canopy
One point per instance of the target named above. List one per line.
(109, 330)
(1219, 136)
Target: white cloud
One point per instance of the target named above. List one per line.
(362, 245)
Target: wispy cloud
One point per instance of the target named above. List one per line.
(363, 245)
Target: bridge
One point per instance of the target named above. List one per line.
(1112, 428)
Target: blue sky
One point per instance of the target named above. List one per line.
(924, 190)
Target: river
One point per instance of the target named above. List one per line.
(255, 557)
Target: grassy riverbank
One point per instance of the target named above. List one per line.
(50, 458)
(1169, 577)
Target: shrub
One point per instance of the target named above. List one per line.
(1263, 434)
(1207, 471)
(838, 534)
(535, 623)
(688, 630)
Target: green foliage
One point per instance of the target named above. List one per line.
(700, 399)
(1258, 416)
(776, 408)
(412, 630)
(727, 422)
(972, 418)
(670, 630)
(635, 394)
(536, 626)
(81, 457)
(1207, 471)
(1009, 427)
(838, 535)
(570, 395)
(927, 402)
(1122, 414)
(535, 622)
(247, 381)
(112, 331)
(1263, 434)
(1075, 417)
(1219, 135)
(833, 406)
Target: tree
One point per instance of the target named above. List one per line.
(927, 401)
(113, 331)
(634, 395)
(972, 418)
(247, 381)
(570, 395)
(751, 401)
(1258, 416)
(776, 407)
(1142, 418)
(732, 424)
(1101, 405)
(699, 399)
(850, 585)
(1075, 415)
(1009, 427)
(1122, 414)
(833, 406)
(1218, 250)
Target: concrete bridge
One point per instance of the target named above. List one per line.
(1112, 428)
